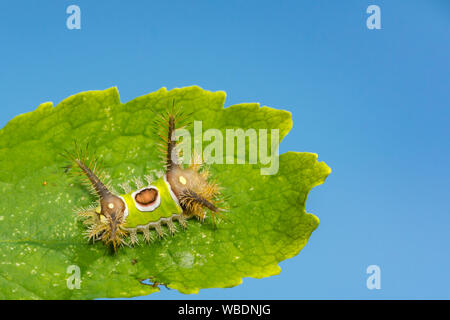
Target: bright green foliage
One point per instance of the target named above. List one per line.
(40, 235)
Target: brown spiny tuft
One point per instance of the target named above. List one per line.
(166, 124)
(106, 225)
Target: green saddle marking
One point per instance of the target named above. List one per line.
(166, 209)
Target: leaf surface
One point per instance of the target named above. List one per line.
(40, 236)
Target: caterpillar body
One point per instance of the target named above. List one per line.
(179, 194)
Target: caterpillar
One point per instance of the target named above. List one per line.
(178, 195)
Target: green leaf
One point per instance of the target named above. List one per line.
(40, 236)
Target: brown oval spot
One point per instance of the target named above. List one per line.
(146, 197)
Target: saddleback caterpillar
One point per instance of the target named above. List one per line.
(179, 194)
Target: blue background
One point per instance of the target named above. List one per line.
(374, 104)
